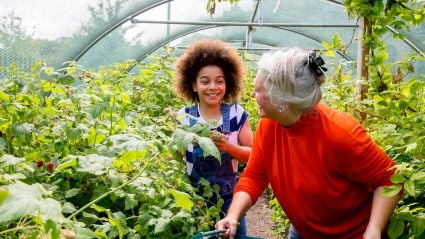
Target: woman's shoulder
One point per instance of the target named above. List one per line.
(340, 117)
(341, 123)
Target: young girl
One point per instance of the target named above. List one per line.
(210, 75)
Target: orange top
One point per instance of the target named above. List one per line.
(323, 171)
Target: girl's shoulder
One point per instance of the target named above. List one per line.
(235, 107)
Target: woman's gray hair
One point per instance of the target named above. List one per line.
(291, 78)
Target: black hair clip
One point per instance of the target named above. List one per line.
(316, 64)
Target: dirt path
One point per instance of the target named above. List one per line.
(259, 220)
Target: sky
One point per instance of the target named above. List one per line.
(51, 19)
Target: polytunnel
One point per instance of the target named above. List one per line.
(95, 142)
(95, 33)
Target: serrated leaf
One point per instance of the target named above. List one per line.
(130, 203)
(96, 111)
(209, 148)
(94, 164)
(396, 228)
(22, 129)
(72, 192)
(128, 142)
(10, 160)
(124, 162)
(26, 200)
(68, 207)
(161, 225)
(183, 199)
(73, 133)
(409, 186)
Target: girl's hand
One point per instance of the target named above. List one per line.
(220, 140)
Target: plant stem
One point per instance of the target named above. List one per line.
(17, 229)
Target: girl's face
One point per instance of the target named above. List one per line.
(210, 85)
(265, 108)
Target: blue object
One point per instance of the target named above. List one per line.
(214, 235)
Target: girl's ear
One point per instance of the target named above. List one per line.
(194, 87)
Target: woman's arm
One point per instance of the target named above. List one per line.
(241, 202)
(382, 209)
(240, 152)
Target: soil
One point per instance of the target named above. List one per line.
(259, 221)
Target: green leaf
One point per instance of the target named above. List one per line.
(418, 177)
(329, 53)
(183, 199)
(72, 163)
(398, 178)
(209, 147)
(73, 133)
(125, 161)
(51, 227)
(96, 110)
(161, 225)
(409, 186)
(26, 200)
(130, 202)
(3, 195)
(98, 208)
(392, 190)
(72, 192)
(128, 142)
(411, 147)
(23, 129)
(10, 160)
(94, 164)
(418, 226)
(66, 80)
(395, 228)
(68, 208)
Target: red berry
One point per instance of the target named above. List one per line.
(39, 163)
(50, 165)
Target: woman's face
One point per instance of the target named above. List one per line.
(210, 85)
(265, 108)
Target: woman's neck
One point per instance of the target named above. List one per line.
(290, 117)
(210, 112)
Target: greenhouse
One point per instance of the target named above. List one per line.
(90, 144)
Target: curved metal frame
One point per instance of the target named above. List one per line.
(163, 43)
(118, 24)
(157, 4)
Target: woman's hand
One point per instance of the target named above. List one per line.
(231, 226)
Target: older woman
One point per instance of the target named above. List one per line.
(324, 169)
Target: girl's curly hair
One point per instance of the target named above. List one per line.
(204, 53)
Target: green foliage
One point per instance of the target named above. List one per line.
(85, 152)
